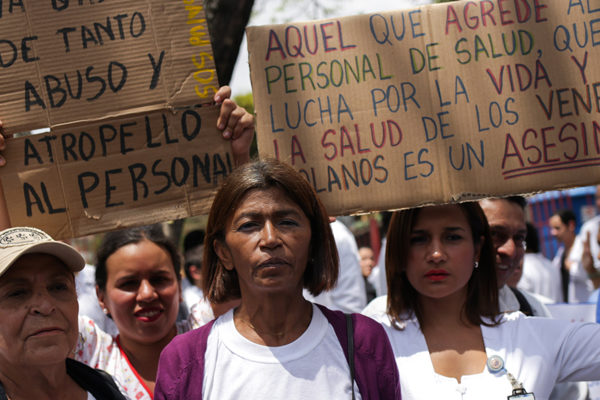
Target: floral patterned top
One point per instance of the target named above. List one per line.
(98, 349)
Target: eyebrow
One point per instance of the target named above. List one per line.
(504, 229)
(17, 281)
(21, 281)
(133, 274)
(276, 214)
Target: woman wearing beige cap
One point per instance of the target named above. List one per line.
(39, 329)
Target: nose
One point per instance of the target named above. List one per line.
(42, 304)
(146, 291)
(270, 235)
(436, 252)
(508, 248)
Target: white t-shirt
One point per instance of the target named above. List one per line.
(98, 349)
(349, 295)
(289, 369)
(537, 351)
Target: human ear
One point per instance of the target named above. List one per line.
(224, 254)
(100, 294)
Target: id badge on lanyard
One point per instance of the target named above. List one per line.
(495, 365)
(521, 394)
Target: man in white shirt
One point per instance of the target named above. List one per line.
(575, 285)
(539, 277)
(506, 217)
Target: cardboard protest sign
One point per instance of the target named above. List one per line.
(441, 103)
(125, 87)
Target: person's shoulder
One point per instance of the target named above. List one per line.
(538, 257)
(186, 343)
(376, 308)
(367, 323)
(96, 381)
(338, 318)
(511, 316)
(340, 230)
(590, 224)
(540, 298)
(536, 303)
(89, 330)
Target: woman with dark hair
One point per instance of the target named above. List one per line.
(443, 320)
(268, 238)
(138, 285)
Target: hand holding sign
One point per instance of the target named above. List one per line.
(237, 125)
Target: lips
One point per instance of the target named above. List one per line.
(46, 331)
(437, 274)
(148, 314)
(273, 262)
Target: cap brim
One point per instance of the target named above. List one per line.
(67, 254)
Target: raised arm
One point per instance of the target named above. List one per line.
(237, 125)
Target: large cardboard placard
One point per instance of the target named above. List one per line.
(125, 87)
(435, 104)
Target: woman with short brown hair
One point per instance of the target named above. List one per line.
(322, 270)
(268, 238)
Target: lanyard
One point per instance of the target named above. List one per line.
(495, 365)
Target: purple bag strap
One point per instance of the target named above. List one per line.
(344, 330)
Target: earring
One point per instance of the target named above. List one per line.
(105, 310)
(476, 264)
